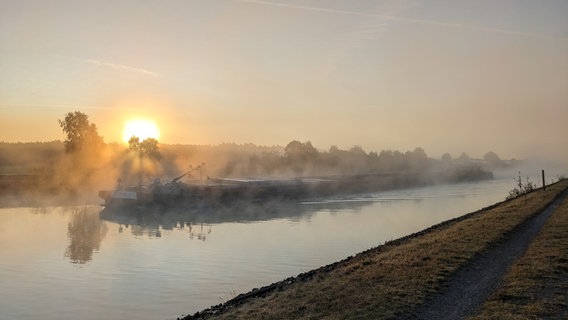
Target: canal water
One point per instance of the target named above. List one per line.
(83, 262)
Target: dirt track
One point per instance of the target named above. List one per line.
(470, 286)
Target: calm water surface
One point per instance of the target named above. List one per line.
(79, 263)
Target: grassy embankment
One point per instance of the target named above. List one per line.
(536, 286)
(390, 280)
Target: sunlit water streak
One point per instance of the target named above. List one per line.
(66, 263)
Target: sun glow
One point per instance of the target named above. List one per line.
(140, 128)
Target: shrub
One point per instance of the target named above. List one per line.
(521, 188)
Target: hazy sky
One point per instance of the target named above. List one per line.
(445, 75)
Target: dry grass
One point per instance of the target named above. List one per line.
(390, 280)
(536, 286)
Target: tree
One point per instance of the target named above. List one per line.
(300, 156)
(301, 151)
(446, 157)
(134, 143)
(492, 158)
(147, 147)
(463, 157)
(417, 159)
(357, 149)
(81, 135)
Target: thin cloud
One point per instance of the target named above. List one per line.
(400, 18)
(122, 67)
(49, 106)
(364, 33)
(352, 41)
(11, 106)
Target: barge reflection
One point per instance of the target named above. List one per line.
(88, 226)
(240, 212)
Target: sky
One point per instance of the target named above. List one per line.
(445, 75)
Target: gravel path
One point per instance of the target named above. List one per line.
(470, 286)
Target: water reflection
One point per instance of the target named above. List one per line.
(200, 234)
(197, 255)
(242, 212)
(198, 221)
(42, 210)
(85, 232)
(87, 229)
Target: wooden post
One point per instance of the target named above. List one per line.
(543, 182)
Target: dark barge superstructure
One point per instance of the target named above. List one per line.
(213, 191)
(217, 190)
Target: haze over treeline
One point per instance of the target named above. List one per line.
(83, 163)
(46, 168)
(230, 159)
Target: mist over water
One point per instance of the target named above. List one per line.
(65, 257)
(394, 95)
(68, 262)
(43, 173)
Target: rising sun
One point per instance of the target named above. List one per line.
(140, 128)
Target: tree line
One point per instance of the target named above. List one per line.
(86, 162)
(303, 159)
